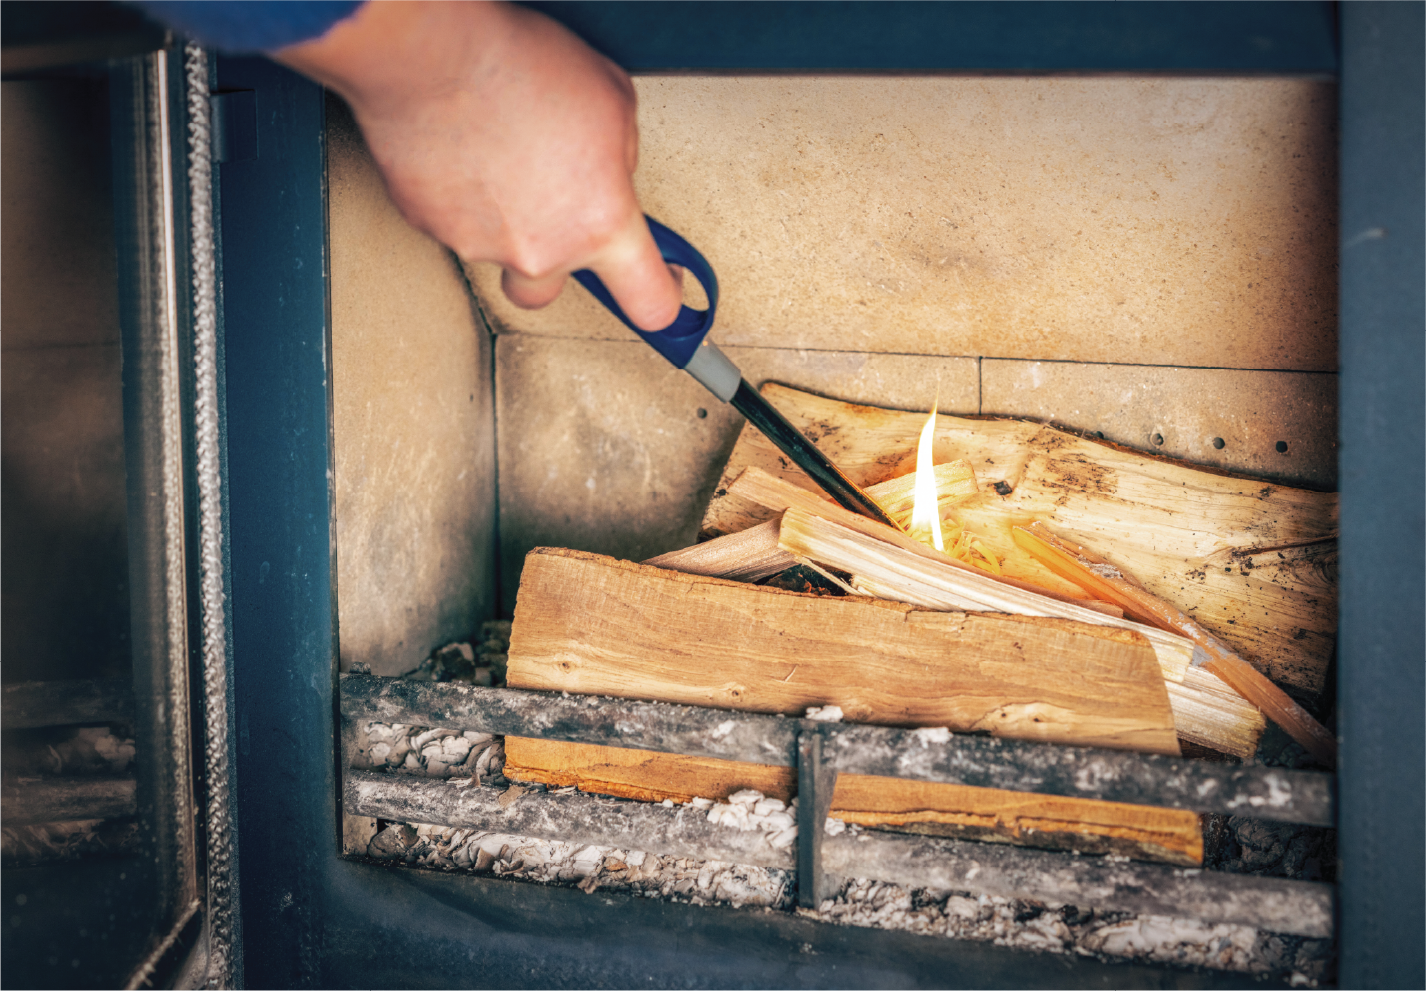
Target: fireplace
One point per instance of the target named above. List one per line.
(1132, 251)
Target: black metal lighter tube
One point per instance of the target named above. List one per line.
(803, 453)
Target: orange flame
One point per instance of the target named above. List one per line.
(924, 511)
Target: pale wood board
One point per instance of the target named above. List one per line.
(753, 553)
(1097, 577)
(1061, 822)
(1254, 563)
(593, 625)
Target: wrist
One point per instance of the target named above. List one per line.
(392, 49)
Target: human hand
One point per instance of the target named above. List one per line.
(504, 136)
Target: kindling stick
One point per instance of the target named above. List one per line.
(1103, 580)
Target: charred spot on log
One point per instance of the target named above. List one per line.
(1027, 910)
(1002, 488)
(799, 578)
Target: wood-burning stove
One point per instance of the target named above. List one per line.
(301, 913)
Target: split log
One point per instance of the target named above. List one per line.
(1209, 713)
(1099, 577)
(752, 554)
(891, 565)
(1202, 715)
(590, 624)
(1254, 562)
(959, 811)
(740, 557)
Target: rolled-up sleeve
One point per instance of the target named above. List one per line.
(250, 25)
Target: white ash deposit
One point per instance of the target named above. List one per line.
(431, 753)
(1018, 923)
(67, 752)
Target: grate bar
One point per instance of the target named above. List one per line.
(68, 800)
(1298, 907)
(34, 704)
(682, 831)
(922, 755)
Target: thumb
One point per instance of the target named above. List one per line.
(647, 289)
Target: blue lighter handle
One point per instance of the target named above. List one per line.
(679, 340)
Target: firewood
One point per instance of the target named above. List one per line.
(889, 571)
(909, 571)
(758, 486)
(752, 554)
(1086, 825)
(1099, 577)
(741, 557)
(1254, 562)
(590, 624)
(1209, 713)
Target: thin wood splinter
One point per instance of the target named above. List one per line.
(1103, 580)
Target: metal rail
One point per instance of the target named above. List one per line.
(35, 704)
(922, 755)
(68, 800)
(822, 750)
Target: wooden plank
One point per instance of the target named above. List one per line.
(1209, 713)
(889, 565)
(988, 814)
(1099, 577)
(593, 625)
(1254, 563)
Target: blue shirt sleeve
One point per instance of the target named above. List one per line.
(249, 25)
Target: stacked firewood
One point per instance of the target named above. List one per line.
(1016, 629)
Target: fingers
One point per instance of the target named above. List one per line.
(531, 293)
(645, 286)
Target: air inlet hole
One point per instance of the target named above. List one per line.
(1158, 440)
(1281, 447)
(1219, 443)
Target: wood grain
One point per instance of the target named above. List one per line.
(1099, 577)
(594, 625)
(1204, 713)
(1086, 825)
(753, 553)
(1254, 563)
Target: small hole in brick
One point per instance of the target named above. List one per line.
(702, 413)
(1099, 434)
(1281, 447)
(1158, 440)
(1219, 443)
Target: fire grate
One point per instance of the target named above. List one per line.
(820, 751)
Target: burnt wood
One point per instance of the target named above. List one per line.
(32, 704)
(1276, 905)
(68, 799)
(1082, 772)
(1299, 907)
(980, 761)
(682, 831)
(679, 729)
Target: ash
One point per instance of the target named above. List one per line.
(1234, 844)
(67, 751)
